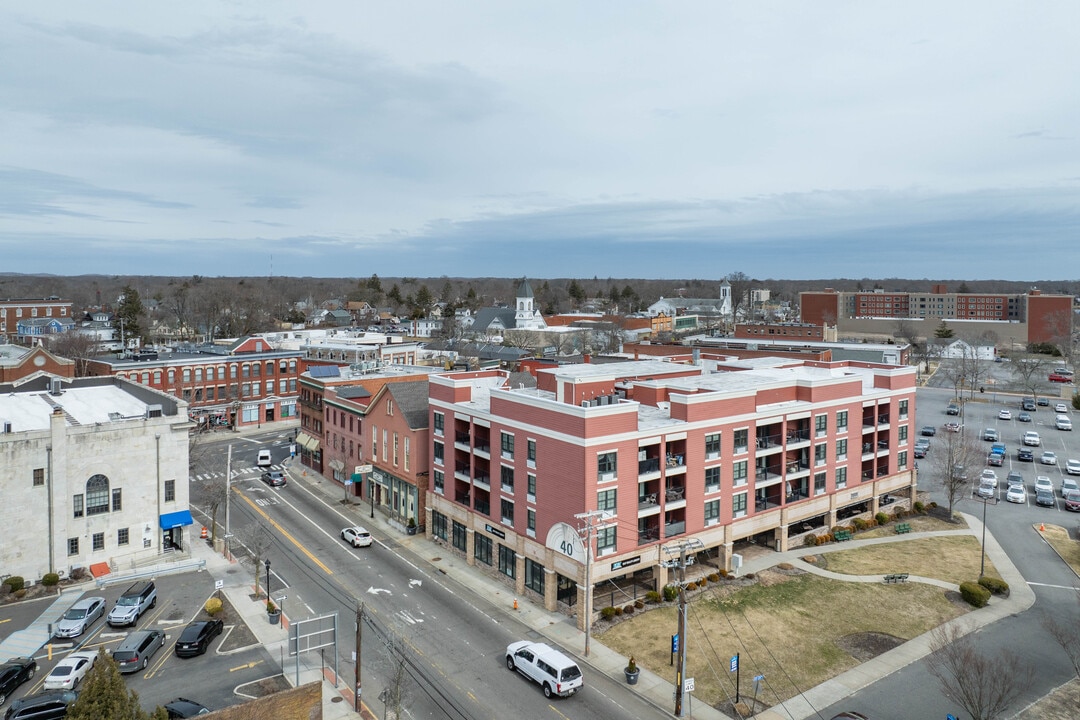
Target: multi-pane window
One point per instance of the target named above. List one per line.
(458, 538)
(820, 454)
(534, 576)
(77, 506)
(605, 500)
(97, 495)
(738, 504)
(122, 536)
(73, 546)
(742, 440)
(841, 420)
(712, 446)
(903, 434)
(439, 423)
(506, 475)
(841, 478)
(605, 464)
(819, 483)
(395, 449)
(903, 409)
(712, 512)
(605, 540)
(901, 459)
(712, 479)
(482, 548)
(532, 487)
(530, 447)
(507, 564)
(821, 425)
(385, 444)
(507, 509)
(375, 445)
(39, 476)
(506, 444)
(531, 521)
(438, 452)
(841, 449)
(439, 479)
(407, 454)
(738, 473)
(438, 525)
(98, 540)
(117, 500)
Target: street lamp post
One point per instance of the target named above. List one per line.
(267, 563)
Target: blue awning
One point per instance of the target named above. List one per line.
(176, 519)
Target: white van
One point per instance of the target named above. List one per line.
(265, 459)
(1063, 422)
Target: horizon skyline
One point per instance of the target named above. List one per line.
(836, 140)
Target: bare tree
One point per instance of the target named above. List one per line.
(1066, 633)
(984, 684)
(257, 540)
(1060, 327)
(522, 339)
(740, 292)
(212, 483)
(76, 346)
(1029, 371)
(952, 462)
(907, 332)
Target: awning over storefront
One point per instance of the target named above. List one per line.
(337, 465)
(307, 442)
(176, 519)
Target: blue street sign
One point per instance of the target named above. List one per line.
(759, 678)
(675, 643)
(734, 663)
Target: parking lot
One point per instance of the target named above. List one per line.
(993, 418)
(232, 659)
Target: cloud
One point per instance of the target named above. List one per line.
(25, 191)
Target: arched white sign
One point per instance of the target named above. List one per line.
(564, 539)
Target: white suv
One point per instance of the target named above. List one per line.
(1031, 438)
(546, 666)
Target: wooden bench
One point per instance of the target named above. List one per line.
(902, 528)
(896, 578)
(841, 535)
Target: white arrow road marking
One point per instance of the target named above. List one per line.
(376, 591)
(415, 583)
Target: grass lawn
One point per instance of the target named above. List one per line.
(786, 627)
(953, 559)
(1067, 548)
(918, 523)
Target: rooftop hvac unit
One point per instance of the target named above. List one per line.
(54, 386)
(584, 403)
(7, 427)
(153, 411)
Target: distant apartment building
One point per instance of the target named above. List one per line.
(95, 475)
(657, 452)
(789, 331)
(1030, 317)
(23, 320)
(244, 382)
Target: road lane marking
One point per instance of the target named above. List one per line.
(246, 666)
(1060, 587)
(285, 532)
(375, 591)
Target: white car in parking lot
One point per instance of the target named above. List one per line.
(1016, 494)
(1068, 485)
(1042, 482)
(1072, 467)
(1048, 458)
(70, 671)
(1061, 408)
(1031, 438)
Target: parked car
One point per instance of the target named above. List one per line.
(1005, 415)
(196, 637)
(1043, 402)
(999, 447)
(952, 409)
(1072, 501)
(136, 600)
(1068, 485)
(1061, 408)
(1028, 404)
(986, 489)
(1024, 417)
(1044, 498)
(1016, 494)
(996, 459)
(47, 705)
(1014, 478)
(928, 431)
(274, 478)
(1042, 482)
(134, 653)
(554, 672)
(81, 616)
(1025, 455)
(920, 451)
(1063, 422)
(14, 673)
(990, 434)
(1048, 458)
(1072, 467)
(1032, 439)
(1059, 377)
(265, 459)
(70, 671)
(988, 475)
(356, 536)
(184, 708)
(952, 427)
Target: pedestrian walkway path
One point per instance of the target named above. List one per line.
(29, 641)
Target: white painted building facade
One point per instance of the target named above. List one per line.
(93, 472)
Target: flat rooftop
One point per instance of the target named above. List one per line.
(28, 411)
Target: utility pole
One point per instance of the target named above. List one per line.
(591, 520)
(228, 492)
(359, 625)
(679, 560)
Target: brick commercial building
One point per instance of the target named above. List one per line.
(658, 452)
(16, 314)
(1015, 318)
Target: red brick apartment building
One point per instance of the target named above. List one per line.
(245, 383)
(14, 310)
(1029, 317)
(668, 451)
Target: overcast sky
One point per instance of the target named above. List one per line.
(549, 139)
